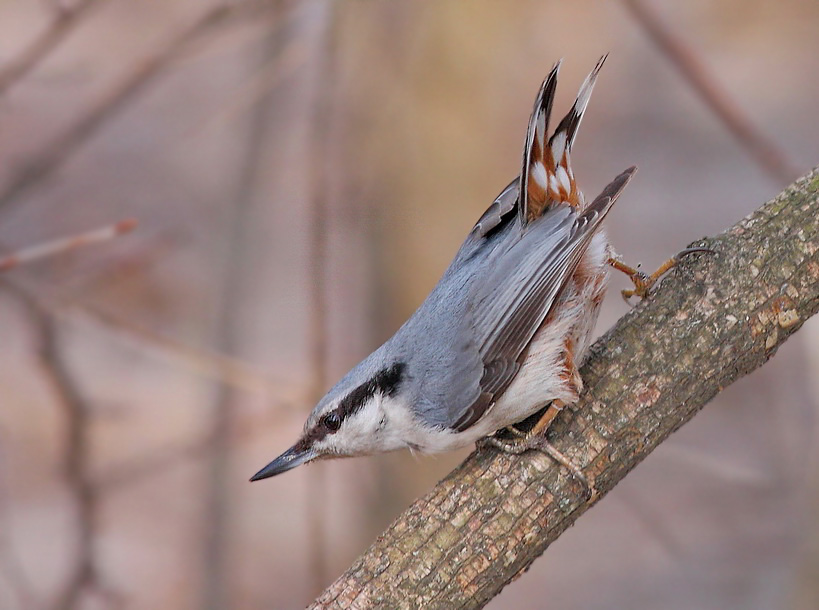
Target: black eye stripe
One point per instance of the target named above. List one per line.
(386, 382)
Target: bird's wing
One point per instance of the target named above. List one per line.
(509, 305)
(496, 213)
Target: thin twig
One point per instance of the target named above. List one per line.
(135, 259)
(84, 577)
(53, 154)
(63, 23)
(66, 244)
(770, 157)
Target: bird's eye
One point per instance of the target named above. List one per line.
(331, 421)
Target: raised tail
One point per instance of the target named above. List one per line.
(547, 175)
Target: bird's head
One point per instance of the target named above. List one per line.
(354, 418)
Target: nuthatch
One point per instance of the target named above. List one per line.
(502, 334)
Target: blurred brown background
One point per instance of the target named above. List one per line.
(303, 172)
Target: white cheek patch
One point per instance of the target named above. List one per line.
(325, 445)
(402, 430)
(362, 432)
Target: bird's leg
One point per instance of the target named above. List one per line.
(536, 437)
(547, 418)
(643, 282)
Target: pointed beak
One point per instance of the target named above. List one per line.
(295, 456)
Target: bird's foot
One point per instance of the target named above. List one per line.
(537, 441)
(644, 282)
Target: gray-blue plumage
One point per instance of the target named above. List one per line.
(462, 346)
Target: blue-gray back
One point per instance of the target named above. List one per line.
(463, 345)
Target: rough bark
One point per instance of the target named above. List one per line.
(715, 319)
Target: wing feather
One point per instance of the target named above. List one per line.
(511, 303)
(495, 213)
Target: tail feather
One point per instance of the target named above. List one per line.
(547, 175)
(571, 122)
(543, 108)
(533, 181)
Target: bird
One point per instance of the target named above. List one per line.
(503, 334)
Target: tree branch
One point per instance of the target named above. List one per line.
(64, 22)
(716, 319)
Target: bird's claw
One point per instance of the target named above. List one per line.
(538, 442)
(643, 282)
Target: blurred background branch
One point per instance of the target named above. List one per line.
(77, 457)
(772, 158)
(38, 168)
(237, 272)
(63, 22)
(324, 154)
